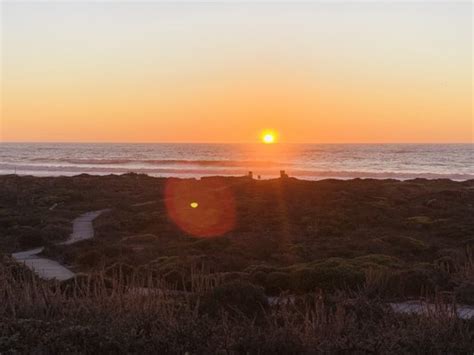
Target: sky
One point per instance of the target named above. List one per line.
(315, 72)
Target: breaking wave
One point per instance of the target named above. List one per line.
(197, 172)
(118, 161)
(307, 161)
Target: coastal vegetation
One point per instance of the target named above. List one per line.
(332, 254)
(139, 314)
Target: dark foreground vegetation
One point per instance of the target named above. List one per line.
(336, 251)
(134, 314)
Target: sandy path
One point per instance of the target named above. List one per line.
(49, 269)
(45, 268)
(418, 307)
(82, 227)
(407, 307)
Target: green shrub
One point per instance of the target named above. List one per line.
(56, 232)
(378, 259)
(420, 279)
(260, 268)
(29, 237)
(328, 276)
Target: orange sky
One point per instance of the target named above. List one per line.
(153, 72)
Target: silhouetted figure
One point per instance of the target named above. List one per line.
(283, 175)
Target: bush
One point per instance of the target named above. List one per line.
(259, 277)
(30, 238)
(402, 245)
(234, 276)
(421, 220)
(465, 292)
(378, 259)
(276, 282)
(329, 276)
(420, 279)
(89, 259)
(236, 297)
(54, 232)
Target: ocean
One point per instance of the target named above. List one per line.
(305, 161)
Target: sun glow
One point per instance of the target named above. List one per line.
(268, 137)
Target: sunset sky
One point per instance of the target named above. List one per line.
(209, 72)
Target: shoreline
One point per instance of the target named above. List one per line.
(190, 175)
(303, 161)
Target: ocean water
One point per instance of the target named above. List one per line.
(306, 161)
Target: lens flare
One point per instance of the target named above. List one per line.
(202, 208)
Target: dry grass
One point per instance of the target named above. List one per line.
(130, 313)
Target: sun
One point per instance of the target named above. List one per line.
(268, 137)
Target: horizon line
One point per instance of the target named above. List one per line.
(216, 142)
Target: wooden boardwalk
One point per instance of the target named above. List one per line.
(49, 269)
